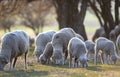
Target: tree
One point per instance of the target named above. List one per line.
(102, 9)
(68, 14)
(34, 15)
(6, 24)
(10, 7)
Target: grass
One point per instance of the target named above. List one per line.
(38, 70)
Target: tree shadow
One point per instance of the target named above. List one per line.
(94, 68)
(59, 66)
(25, 73)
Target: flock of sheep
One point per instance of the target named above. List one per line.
(58, 48)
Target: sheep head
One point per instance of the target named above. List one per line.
(3, 62)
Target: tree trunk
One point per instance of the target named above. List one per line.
(117, 12)
(70, 16)
(96, 11)
(61, 10)
(76, 18)
(105, 6)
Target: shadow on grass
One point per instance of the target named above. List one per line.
(94, 68)
(24, 73)
(59, 66)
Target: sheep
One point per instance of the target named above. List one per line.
(14, 44)
(91, 50)
(114, 33)
(77, 50)
(108, 50)
(90, 47)
(100, 32)
(60, 41)
(41, 40)
(47, 53)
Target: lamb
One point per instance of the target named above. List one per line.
(114, 33)
(100, 32)
(14, 44)
(60, 42)
(108, 50)
(41, 40)
(77, 50)
(90, 47)
(47, 53)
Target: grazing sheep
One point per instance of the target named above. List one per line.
(99, 33)
(91, 51)
(14, 44)
(108, 50)
(77, 50)
(47, 53)
(60, 42)
(114, 33)
(41, 40)
(90, 47)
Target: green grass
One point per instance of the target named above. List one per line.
(38, 70)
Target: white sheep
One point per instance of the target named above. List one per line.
(60, 42)
(90, 47)
(77, 50)
(14, 44)
(100, 32)
(108, 50)
(47, 53)
(114, 33)
(41, 40)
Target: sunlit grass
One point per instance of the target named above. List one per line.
(38, 70)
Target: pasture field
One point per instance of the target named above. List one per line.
(37, 70)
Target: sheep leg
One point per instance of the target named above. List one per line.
(77, 64)
(87, 64)
(70, 61)
(25, 60)
(14, 62)
(105, 58)
(109, 59)
(96, 54)
(66, 54)
(10, 66)
(102, 58)
(48, 61)
(74, 62)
